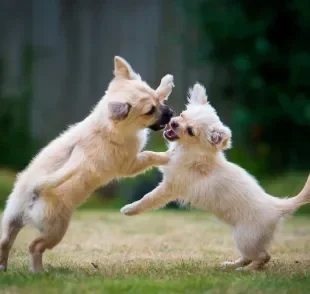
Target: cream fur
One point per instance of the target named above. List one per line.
(106, 145)
(199, 174)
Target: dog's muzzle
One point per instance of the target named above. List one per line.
(166, 113)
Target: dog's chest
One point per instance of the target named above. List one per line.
(141, 139)
(191, 182)
(111, 158)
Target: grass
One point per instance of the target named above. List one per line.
(159, 252)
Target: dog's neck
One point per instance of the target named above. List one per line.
(194, 154)
(100, 124)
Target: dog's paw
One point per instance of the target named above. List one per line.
(167, 81)
(241, 269)
(169, 153)
(247, 269)
(129, 210)
(227, 264)
(163, 158)
(3, 267)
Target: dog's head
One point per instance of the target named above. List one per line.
(132, 103)
(199, 124)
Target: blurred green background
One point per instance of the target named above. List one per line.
(56, 59)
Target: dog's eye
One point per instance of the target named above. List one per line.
(190, 131)
(152, 110)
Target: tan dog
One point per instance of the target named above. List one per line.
(105, 145)
(198, 173)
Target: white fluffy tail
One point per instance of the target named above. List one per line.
(290, 205)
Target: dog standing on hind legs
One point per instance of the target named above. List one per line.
(199, 174)
(105, 145)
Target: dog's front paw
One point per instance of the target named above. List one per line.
(164, 157)
(167, 156)
(129, 209)
(170, 152)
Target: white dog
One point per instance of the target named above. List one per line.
(105, 145)
(198, 173)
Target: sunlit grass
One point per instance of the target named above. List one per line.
(162, 252)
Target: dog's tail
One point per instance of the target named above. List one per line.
(290, 205)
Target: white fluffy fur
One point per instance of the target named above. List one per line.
(199, 174)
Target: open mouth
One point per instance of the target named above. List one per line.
(170, 134)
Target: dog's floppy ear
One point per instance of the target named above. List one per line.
(118, 110)
(123, 69)
(219, 136)
(165, 87)
(197, 94)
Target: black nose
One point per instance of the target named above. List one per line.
(174, 124)
(171, 112)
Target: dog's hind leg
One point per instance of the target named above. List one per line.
(257, 263)
(252, 243)
(51, 236)
(11, 225)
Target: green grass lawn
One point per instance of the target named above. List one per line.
(158, 252)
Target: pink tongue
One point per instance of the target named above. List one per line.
(170, 133)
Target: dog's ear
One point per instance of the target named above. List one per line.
(123, 69)
(165, 87)
(197, 95)
(219, 136)
(118, 110)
